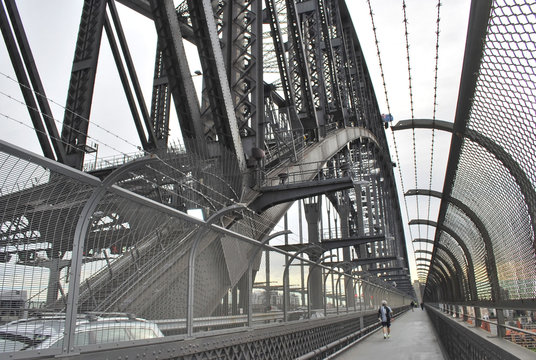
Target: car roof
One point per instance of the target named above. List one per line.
(30, 328)
(48, 325)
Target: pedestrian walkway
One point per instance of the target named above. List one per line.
(412, 338)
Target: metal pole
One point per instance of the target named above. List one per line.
(300, 230)
(285, 276)
(250, 269)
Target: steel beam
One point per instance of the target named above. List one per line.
(274, 195)
(82, 83)
(241, 40)
(178, 72)
(361, 262)
(36, 87)
(300, 74)
(336, 243)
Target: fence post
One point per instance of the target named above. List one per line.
(250, 270)
(501, 330)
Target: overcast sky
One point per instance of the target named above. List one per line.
(52, 28)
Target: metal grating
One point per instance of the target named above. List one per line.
(492, 164)
(465, 228)
(503, 108)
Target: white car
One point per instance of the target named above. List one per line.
(48, 332)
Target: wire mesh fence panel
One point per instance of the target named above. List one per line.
(504, 214)
(39, 211)
(88, 263)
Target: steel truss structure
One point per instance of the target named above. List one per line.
(286, 101)
(287, 112)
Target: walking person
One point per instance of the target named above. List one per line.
(384, 315)
(422, 306)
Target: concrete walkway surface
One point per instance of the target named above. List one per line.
(412, 338)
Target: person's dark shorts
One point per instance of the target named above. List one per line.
(386, 323)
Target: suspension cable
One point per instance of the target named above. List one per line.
(406, 34)
(435, 107)
(389, 111)
(70, 111)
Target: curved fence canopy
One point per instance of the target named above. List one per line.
(494, 213)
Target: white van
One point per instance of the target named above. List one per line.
(48, 332)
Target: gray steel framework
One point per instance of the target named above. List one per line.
(134, 249)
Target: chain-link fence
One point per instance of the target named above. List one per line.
(488, 214)
(87, 262)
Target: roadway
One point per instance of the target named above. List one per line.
(412, 338)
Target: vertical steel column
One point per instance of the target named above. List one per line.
(242, 41)
(82, 83)
(299, 70)
(315, 265)
(222, 125)
(160, 101)
(268, 289)
(312, 215)
(309, 19)
(501, 330)
(283, 64)
(178, 75)
(340, 58)
(478, 315)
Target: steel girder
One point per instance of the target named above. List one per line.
(300, 73)
(241, 41)
(308, 15)
(149, 141)
(79, 99)
(219, 119)
(341, 79)
(282, 62)
(23, 63)
(172, 54)
(81, 86)
(161, 101)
